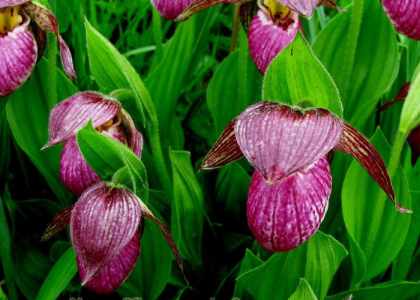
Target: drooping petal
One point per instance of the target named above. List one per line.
(171, 9)
(41, 39)
(116, 272)
(355, 144)
(199, 5)
(149, 215)
(401, 96)
(7, 3)
(303, 7)
(133, 136)
(279, 140)
(75, 172)
(103, 222)
(287, 213)
(18, 54)
(46, 20)
(246, 13)
(267, 39)
(60, 222)
(73, 113)
(414, 142)
(225, 151)
(329, 3)
(405, 16)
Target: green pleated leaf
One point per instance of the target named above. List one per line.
(370, 218)
(393, 290)
(249, 262)
(187, 208)
(363, 62)
(108, 157)
(303, 291)
(279, 276)
(410, 115)
(28, 120)
(296, 77)
(59, 276)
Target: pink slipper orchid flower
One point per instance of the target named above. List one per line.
(23, 27)
(405, 16)
(71, 115)
(291, 186)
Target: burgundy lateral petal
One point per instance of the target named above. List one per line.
(267, 39)
(60, 222)
(199, 5)
(18, 55)
(149, 215)
(279, 140)
(116, 272)
(303, 7)
(134, 137)
(103, 222)
(329, 3)
(225, 151)
(414, 142)
(405, 16)
(41, 39)
(46, 20)
(72, 114)
(246, 11)
(7, 3)
(287, 213)
(171, 9)
(75, 172)
(401, 96)
(355, 144)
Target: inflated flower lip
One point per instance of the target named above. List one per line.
(71, 115)
(22, 40)
(287, 213)
(105, 233)
(170, 9)
(405, 16)
(276, 161)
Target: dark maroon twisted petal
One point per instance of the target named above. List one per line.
(225, 151)
(199, 5)
(134, 137)
(103, 222)
(7, 3)
(279, 140)
(171, 9)
(60, 222)
(46, 20)
(18, 55)
(414, 142)
(405, 16)
(116, 272)
(75, 172)
(303, 7)
(267, 39)
(287, 213)
(70, 115)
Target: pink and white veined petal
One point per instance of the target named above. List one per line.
(103, 222)
(75, 172)
(287, 213)
(279, 140)
(303, 7)
(46, 20)
(70, 115)
(405, 16)
(171, 9)
(267, 39)
(18, 55)
(8, 3)
(116, 272)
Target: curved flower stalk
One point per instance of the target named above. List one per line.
(171, 9)
(405, 16)
(273, 27)
(290, 188)
(23, 27)
(105, 229)
(71, 115)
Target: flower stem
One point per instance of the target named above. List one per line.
(396, 153)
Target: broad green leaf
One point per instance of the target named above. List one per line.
(28, 120)
(107, 156)
(59, 277)
(231, 89)
(279, 276)
(296, 77)
(410, 115)
(370, 218)
(5, 146)
(152, 271)
(303, 291)
(249, 262)
(393, 290)
(187, 208)
(363, 62)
